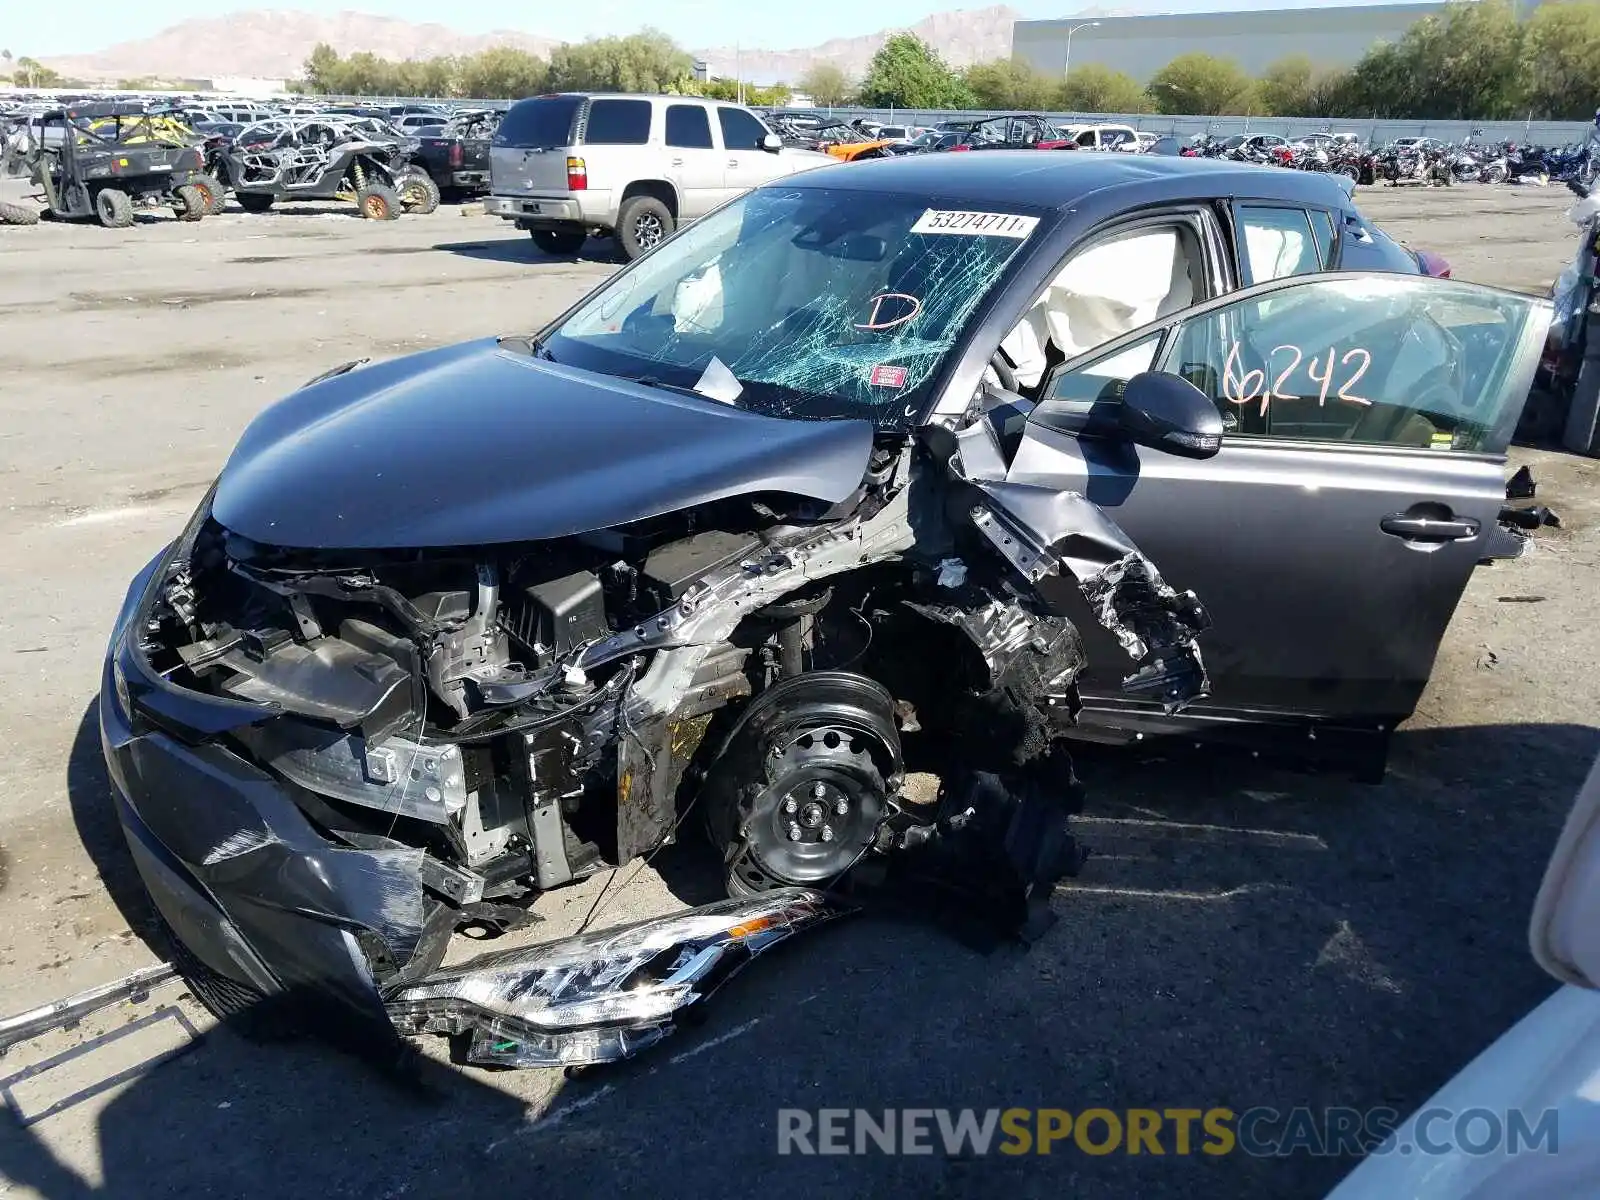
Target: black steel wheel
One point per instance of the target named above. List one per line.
(799, 793)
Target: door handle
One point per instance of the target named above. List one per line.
(1429, 529)
(733, 162)
(677, 162)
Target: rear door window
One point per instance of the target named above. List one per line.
(688, 127)
(618, 123)
(1276, 242)
(740, 131)
(541, 123)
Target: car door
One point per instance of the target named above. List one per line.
(694, 163)
(746, 163)
(1359, 481)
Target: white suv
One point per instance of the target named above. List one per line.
(567, 166)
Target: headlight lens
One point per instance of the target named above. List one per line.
(119, 683)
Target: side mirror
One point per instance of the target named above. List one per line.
(772, 143)
(1167, 412)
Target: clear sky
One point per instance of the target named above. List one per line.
(79, 26)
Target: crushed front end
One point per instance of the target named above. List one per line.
(330, 761)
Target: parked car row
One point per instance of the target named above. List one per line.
(385, 161)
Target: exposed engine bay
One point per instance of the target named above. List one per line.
(513, 717)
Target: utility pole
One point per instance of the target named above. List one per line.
(1066, 68)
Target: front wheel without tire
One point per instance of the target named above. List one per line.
(643, 223)
(378, 202)
(799, 794)
(561, 243)
(114, 208)
(190, 203)
(418, 192)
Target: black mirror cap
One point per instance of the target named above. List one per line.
(1166, 412)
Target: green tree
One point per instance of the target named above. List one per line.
(908, 73)
(1201, 84)
(430, 76)
(1096, 88)
(826, 84)
(1561, 61)
(1285, 89)
(1462, 63)
(1008, 83)
(32, 73)
(729, 89)
(647, 61)
(505, 73)
(322, 68)
(1467, 61)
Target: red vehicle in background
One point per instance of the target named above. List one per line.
(1015, 131)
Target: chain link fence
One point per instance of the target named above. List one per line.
(1547, 133)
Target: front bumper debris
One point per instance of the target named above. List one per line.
(601, 997)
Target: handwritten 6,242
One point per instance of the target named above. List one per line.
(1243, 387)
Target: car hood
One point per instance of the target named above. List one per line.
(477, 444)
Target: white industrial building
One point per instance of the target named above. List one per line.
(1142, 45)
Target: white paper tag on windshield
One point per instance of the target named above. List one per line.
(975, 224)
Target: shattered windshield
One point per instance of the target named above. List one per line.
(800, 302)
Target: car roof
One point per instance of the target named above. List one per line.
(104, 108)
(1054, 178)
(664, 99)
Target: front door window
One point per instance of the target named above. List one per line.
(1363, 360)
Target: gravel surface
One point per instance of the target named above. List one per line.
(1244, 937)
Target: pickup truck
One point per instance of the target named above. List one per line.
(566, 166)
(456, 154)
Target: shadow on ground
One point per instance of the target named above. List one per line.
(520, 249)
(1354, 946)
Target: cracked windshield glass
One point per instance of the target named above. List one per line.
(808, 303)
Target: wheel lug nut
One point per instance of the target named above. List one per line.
(819, 789)
(840, 807)
(827, 833)
(791, 805)
(794, 832)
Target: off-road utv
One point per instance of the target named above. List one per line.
(102, 159)
(326, 158)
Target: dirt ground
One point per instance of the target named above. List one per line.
(1244, 936)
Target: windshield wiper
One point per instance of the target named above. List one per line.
(531, 346)
(652, 381)
(716, 382)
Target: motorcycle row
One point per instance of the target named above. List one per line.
(1413, 161)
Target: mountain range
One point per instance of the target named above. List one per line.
(274, 44)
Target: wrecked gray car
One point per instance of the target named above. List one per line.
(835, 486)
